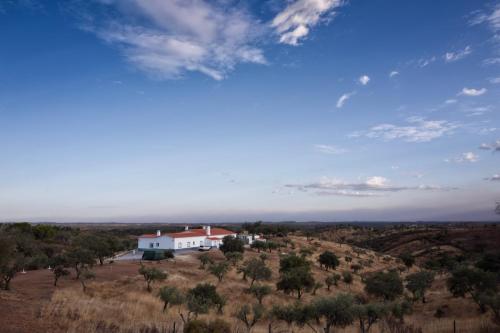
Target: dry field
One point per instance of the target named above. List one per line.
(117, 301)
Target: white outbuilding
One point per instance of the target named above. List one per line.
(187, 239)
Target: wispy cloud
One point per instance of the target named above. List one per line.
(495, 146)
(329, 149)
(494, 178)
(418, 130)
(468, 157)
(371, 186)
(343, 99)
(424, 62)
(168, 38)
(364, 79)
(457, 55)
(494, 80)
(473, 92)
(294, 22)
(393, 73)
(492, 18)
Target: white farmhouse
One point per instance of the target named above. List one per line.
(187, 239)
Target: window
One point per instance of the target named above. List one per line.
(188, 244)
(179, 245)
(157, 244)
(201, 243)
(151, 245)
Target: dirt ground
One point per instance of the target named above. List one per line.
(21, 306)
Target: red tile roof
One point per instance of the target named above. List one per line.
(193, 233)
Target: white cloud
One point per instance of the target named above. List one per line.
(168, 38)
(495, 146)
(495, 80)
(341, 101)
(491, 19)
(364, 79)
(329, 149)
(469, 157)
(494, 178)
(295, 21)
(491, 61)
(473, 92)
(424, 62)
(450, 101)
(393, 73)
(419, 130)
(454, 56)
(371, 186)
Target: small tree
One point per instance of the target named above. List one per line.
(81, 259)
(328, 260)
(256, 270)
(152, 275)
(259, 246)
(347, 277)
(474, 282)
(418, 283)
(232, 244)
(335, 311)
(317, 285)
(387, 285)
(369, 314)
(263, 257)
(250, 315)
(219, 270)
(202, 298)
(259, 291)
(84, 276)
(408, 259)
(11, 262)
(205, 260)
(170, 296)
(296, 280)
(234, 257)
(59, 264)
(332, 280)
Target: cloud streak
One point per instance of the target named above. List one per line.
(419, 130)
(370, 187)
(294, 22)
(329, 149)
(344, 98)
(472, 92)
(458, 55)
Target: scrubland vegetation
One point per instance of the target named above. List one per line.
(314, 279)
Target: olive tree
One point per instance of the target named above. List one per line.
(250, 315)
(418, 283)
(170, 296)
(328, 260)
(219, 270)
(259, 291)
(151, 275)
(387, 285)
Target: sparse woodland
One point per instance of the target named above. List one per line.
(310, 280)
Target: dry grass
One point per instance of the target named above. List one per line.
(123, 305)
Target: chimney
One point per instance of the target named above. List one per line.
(158, 233)
(204, 227)
(186, 228)
(208, 230)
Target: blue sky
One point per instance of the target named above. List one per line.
(169, 110)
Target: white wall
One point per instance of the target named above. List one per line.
(193, 242)
(162, 242)
(165, 242)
